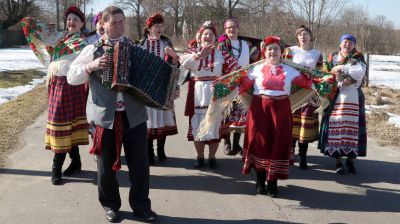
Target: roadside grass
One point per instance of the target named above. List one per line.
(378, 126)
(18, 114)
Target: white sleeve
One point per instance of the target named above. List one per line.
(251, 73)
(77, 73)
(188, 61)
(356, 71)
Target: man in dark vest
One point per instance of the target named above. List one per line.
(120, 119)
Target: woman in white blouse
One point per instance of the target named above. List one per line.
(343, 128)
(205, 64)
(268, 133)
(305, 120)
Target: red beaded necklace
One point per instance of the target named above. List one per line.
(208, 64)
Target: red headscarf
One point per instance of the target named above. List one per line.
(270, 40)
(75, 10)
(154, 19)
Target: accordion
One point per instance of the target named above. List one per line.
(145, 75)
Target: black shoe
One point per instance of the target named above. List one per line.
(161, 155)
(212, 162)
(147, 216)
(303, 162)
(350, 166)
(74, 167)
(56, 175)
(339, 168)
(199, 163)
(260, 187)
(272, 188)
(151, 158)
(111, 215)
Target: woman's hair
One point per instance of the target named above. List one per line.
(304, 28)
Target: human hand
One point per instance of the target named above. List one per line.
(206, 51)
(337, 69)
(169, 51)
(100, 63)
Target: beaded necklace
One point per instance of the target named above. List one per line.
(154, 45)
(208, 64)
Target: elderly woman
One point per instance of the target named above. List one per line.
(343, 130)
(66, 120)
(161, 123)
(205, 63)
(305, 120)
(268, 133)
(238, 49)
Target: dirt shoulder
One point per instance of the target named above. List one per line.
(18, 114)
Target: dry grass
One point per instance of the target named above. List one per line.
(18, 114)
(377, 121)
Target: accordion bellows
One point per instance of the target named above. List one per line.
(145, 75)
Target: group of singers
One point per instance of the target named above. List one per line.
(75, 58)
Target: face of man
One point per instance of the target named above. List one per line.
(115, 26)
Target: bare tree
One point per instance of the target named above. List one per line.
(137, 9)
(316, 13)
(12, 11)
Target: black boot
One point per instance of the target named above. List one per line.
(260, 185)
(161, 150)
(76, 164)
(273, 188)
(236, 148)
(303, 155)
(58, 161)
(339, 167)
(199, 163)
(350, 166)
(151, 151)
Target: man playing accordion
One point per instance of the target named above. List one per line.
(120, 119)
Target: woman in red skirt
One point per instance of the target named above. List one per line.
(67, 126)
(269, 123)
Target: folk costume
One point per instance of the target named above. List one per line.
(161, 123)
(203, 72)
(305, 120)
(120, 119)
(67, 126)
(268, 129)
(343, 128)
(238, 50)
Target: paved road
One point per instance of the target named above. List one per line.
(181, 194)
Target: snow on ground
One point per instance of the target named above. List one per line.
(384, 70)
(12, 59)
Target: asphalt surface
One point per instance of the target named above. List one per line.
(181, 194)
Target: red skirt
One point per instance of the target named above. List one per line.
(66, 120)
(268, 137)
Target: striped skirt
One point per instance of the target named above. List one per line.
(343, 130)
(161, 123)
(268, 137)
(66, 120)
(305, 124)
